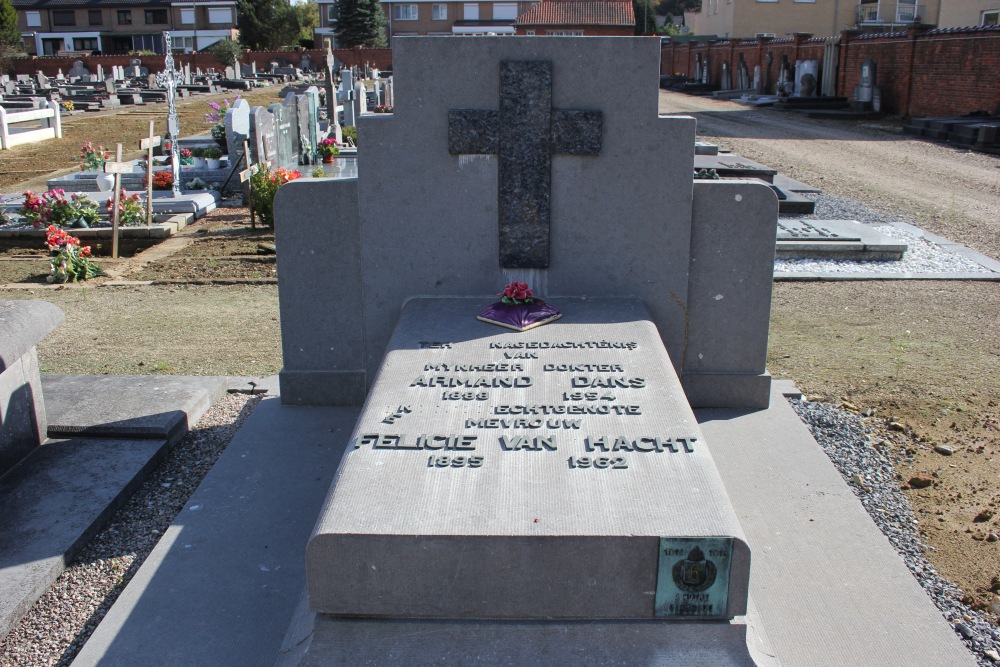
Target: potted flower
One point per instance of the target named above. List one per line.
(217, 118)
(328, 148)
(92, 159)
(162, 180)
(213, 157)
(198, 158)
(54, 208)
(187, 158)
(131, 212)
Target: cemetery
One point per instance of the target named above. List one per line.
(362, 467)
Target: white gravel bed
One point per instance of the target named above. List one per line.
(867, 467)
(59, 624)
(922, 256)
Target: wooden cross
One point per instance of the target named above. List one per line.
(117, 168)
(148, 145)
(245, 177)
(525, 132)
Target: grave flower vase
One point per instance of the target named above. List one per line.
(328, 159)
(214, 164)
(105, 182)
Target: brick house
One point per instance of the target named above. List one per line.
(433, 17)
(578, 18)
(49, 27)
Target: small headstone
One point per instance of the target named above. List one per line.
(78, 71)
(360, 99)
(725, 80)
(697, 67)
(187, 74)
(742, 75)
(237, 123)
(109, 85)
(806, 76)
(706, 72)
(100, 72)
(61, 76)
(151, 82)
(230, 73)
(768, 61)
(863, 91)
(43, 81)
(758, 83)
(238, 72)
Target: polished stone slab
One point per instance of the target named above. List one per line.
(534, 472)
(835, 239)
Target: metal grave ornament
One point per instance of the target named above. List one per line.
(525, 132)
(169, 78)
(693, 577)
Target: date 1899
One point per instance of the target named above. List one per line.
(454, 461)
(599, 462)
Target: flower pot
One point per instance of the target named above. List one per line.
(213, 164)
(200, 163)
(328, 159)
(105, 181)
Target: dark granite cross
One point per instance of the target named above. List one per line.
(525, 132)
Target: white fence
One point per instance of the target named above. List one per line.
(45, 124)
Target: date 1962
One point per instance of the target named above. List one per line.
(599, 462)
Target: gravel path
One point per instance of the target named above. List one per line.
(921, 256)
(866, 463)
(59, 624)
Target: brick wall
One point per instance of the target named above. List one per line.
(946, 72)
(50, 65)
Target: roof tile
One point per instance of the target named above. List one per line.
(579, 12)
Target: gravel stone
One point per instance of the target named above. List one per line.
(922, 256)
(59, 624)
(848, 440)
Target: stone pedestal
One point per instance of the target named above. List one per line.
(22, 410)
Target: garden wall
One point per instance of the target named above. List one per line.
(946, 72)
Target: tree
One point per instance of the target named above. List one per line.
(267, 25)
(645, 17)
(227, 51)
(10, 36)
(360, 24)
(677, 7)
(308, 13)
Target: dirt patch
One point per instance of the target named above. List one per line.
(207, 269)
(23, 270)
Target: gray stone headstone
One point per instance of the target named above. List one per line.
(768, 61)
(307, 131)
(230, 73)
(43, 81)
(187, 74)
(758, 84)
(109, 85)
(286, 132)
(725, 81)
(78, 71)
(697, 67)
(264, 141)
(100, 72)
(237, 126)
(806, 77)
(863, 91)
(238, 72)
(360, 99)
(742, 75)
(682, 247)
(541, 436)
(706, 72)
(61, 76)
(388, 92)
(151, 82)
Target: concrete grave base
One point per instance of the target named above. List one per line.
(835, 239)
(830, 591)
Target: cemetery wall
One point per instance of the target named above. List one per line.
(50, 65)
(945, 72)
(921, 73)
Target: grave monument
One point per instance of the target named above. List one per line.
(534, 179)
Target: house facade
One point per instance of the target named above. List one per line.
(110, 27)
(823, 18)
(968, 13)
(580, 18)
(430, 17)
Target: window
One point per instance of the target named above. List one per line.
(182, 44)
(439, 12)
(220, 15)
(64, 17)
(187, 16)
(471, 11)
(564, 33)
(529, 32)
(124, 17)
(404, 12)
(991, 17)
(503, 11)
(85, 44)
(156, 16)
(95, 16)
(34, 19)
(331, 13)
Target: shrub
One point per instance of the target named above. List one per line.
(264, 185)
(213, 153)
(162, 180)
(350, 132)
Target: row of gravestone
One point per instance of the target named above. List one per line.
(286, 134)
(799, 80)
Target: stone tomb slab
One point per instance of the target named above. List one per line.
(735, 166)
(556, 473)
(840, 239)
